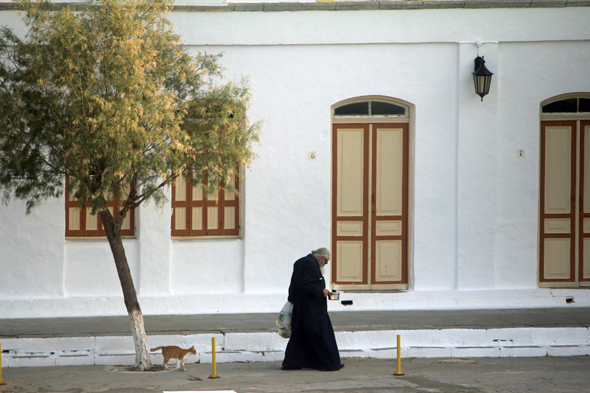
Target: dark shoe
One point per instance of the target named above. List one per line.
(287, 367)
(341, 366)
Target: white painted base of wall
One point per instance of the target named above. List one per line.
(273, 302)
(269, 347)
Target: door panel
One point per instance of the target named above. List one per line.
(388, 259)
(369, 235)
(558, 175)
(558, 186)
(350, 228)
(388, 228)
(350, 261)
(351, 182)
(349, 204)
(584, 239)
(389, 171)
(389, 203)
(558, 252)
(557, 225)
(585, 268)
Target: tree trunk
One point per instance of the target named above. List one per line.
(113, 232)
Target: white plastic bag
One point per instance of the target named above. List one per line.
(284, 320)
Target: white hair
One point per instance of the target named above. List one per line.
(322, 252)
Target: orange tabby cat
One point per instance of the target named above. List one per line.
(174, 352)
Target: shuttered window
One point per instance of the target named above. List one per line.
(80, 222)
(196, 214)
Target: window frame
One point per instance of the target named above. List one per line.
(83, 232)
(205, 204)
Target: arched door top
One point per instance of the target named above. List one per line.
(372, 106)
(572, 104)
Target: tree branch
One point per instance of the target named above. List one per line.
(146, 195)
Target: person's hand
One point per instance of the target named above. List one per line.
(326, 292)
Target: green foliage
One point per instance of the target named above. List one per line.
(106, 96)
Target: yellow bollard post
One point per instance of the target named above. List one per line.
(214, 374)
(1, 381)
(399, 359)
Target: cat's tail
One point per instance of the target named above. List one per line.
(155, 349)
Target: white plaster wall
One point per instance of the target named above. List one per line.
(368, 27)
(90, 268)
(476, 174)
(474, 204)
(32, 250)
(153, 232)
(207, 267)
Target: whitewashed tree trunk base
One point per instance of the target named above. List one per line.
(142, 351)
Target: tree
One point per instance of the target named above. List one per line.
(105, 96)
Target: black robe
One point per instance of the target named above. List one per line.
(312, 344)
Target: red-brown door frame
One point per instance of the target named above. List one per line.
(571, 215)
(582, 215)
(404, 217)
(335, 218)
(371, 214)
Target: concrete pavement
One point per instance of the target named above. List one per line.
(423, 375)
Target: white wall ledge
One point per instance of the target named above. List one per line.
(269, 347)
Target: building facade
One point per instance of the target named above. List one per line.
(375, 145)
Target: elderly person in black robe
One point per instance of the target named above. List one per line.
(312, 344)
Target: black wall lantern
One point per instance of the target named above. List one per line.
(482, 77)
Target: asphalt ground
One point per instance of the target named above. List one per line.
(422, 375)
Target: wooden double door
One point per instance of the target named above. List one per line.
(370, 170)
(564, 247)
